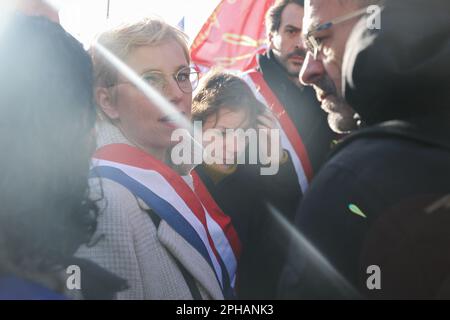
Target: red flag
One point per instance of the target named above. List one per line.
(232, 36)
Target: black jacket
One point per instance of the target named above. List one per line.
(370, 204)
(302, 107)
(374, 172)
(244, 196)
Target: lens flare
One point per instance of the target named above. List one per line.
(325, 277)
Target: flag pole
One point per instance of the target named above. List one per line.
(108, 3)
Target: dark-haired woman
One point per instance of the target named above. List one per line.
(224, 102)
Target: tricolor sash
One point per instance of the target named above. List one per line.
(191, 213)
(290, 138)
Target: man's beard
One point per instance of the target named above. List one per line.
(341, 117)
(286, 64)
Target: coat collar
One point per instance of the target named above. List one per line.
(107, 133)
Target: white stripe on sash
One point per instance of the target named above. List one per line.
(223, 246)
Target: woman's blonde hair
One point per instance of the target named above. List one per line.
(122, 39)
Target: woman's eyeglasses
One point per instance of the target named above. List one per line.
(187, 79)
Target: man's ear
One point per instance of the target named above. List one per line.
(270, 38)
(105, 101)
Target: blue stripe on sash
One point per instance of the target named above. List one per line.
(167, 213)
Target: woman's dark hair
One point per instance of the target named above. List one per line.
(221, 89)
(47, 116)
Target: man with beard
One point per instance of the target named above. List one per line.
(375, 221)
(305, 134)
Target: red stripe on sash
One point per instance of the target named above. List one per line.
(285, 122)
(217, 214)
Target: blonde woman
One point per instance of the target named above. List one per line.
(160, 231)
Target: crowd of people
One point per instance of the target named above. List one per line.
(358, 94)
